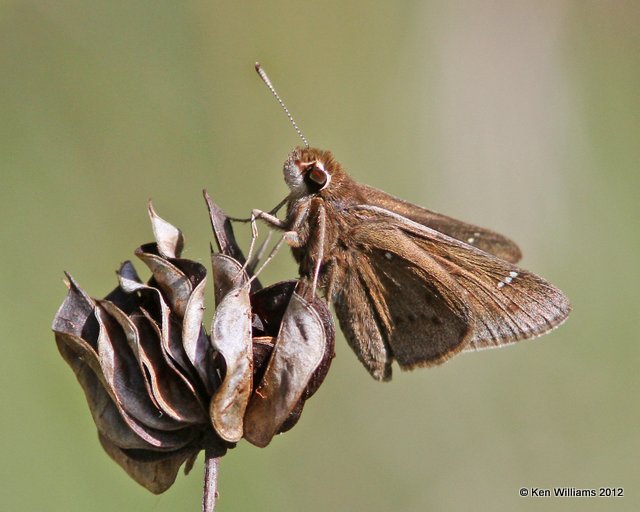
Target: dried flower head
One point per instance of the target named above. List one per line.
(160, 388)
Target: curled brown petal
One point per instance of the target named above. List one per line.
(297, 353)
(83, 356)
(223, 231)
(225, 239)
(169, 394)
(231, 337)
(194, 339)
(103, 410)
(171, 280)
(122, 371)
(168, 328)
(169, 238)
(154, 471)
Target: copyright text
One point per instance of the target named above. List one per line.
(572, 492)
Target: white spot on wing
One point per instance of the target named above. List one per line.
(508, 279)
(470, 240)
(388, 255)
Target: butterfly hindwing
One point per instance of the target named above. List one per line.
(394, 296)
(358, 321)
(431, 295)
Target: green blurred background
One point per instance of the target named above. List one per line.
(519, 116)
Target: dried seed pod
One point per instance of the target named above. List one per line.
(159, 389)
(298, 351)
(231, 337)
(145, 362)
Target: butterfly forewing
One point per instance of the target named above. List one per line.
(505, 303)
(484, 239)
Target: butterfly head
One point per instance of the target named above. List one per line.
(309, 171)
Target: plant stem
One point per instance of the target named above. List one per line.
(211, 467)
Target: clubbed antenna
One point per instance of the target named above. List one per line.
(266, 80)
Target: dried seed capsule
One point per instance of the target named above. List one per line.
(299, 350)
(159, 389)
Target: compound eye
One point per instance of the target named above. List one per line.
(318, 176)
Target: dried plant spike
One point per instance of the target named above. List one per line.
(160, 389)
(169, 238)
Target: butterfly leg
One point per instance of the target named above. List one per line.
(271, 255)
(253, 263)
(273, 211)
(322, 227)
(269, 219)
(291, 237)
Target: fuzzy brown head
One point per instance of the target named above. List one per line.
(309, 171)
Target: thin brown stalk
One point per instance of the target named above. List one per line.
(211, 468)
